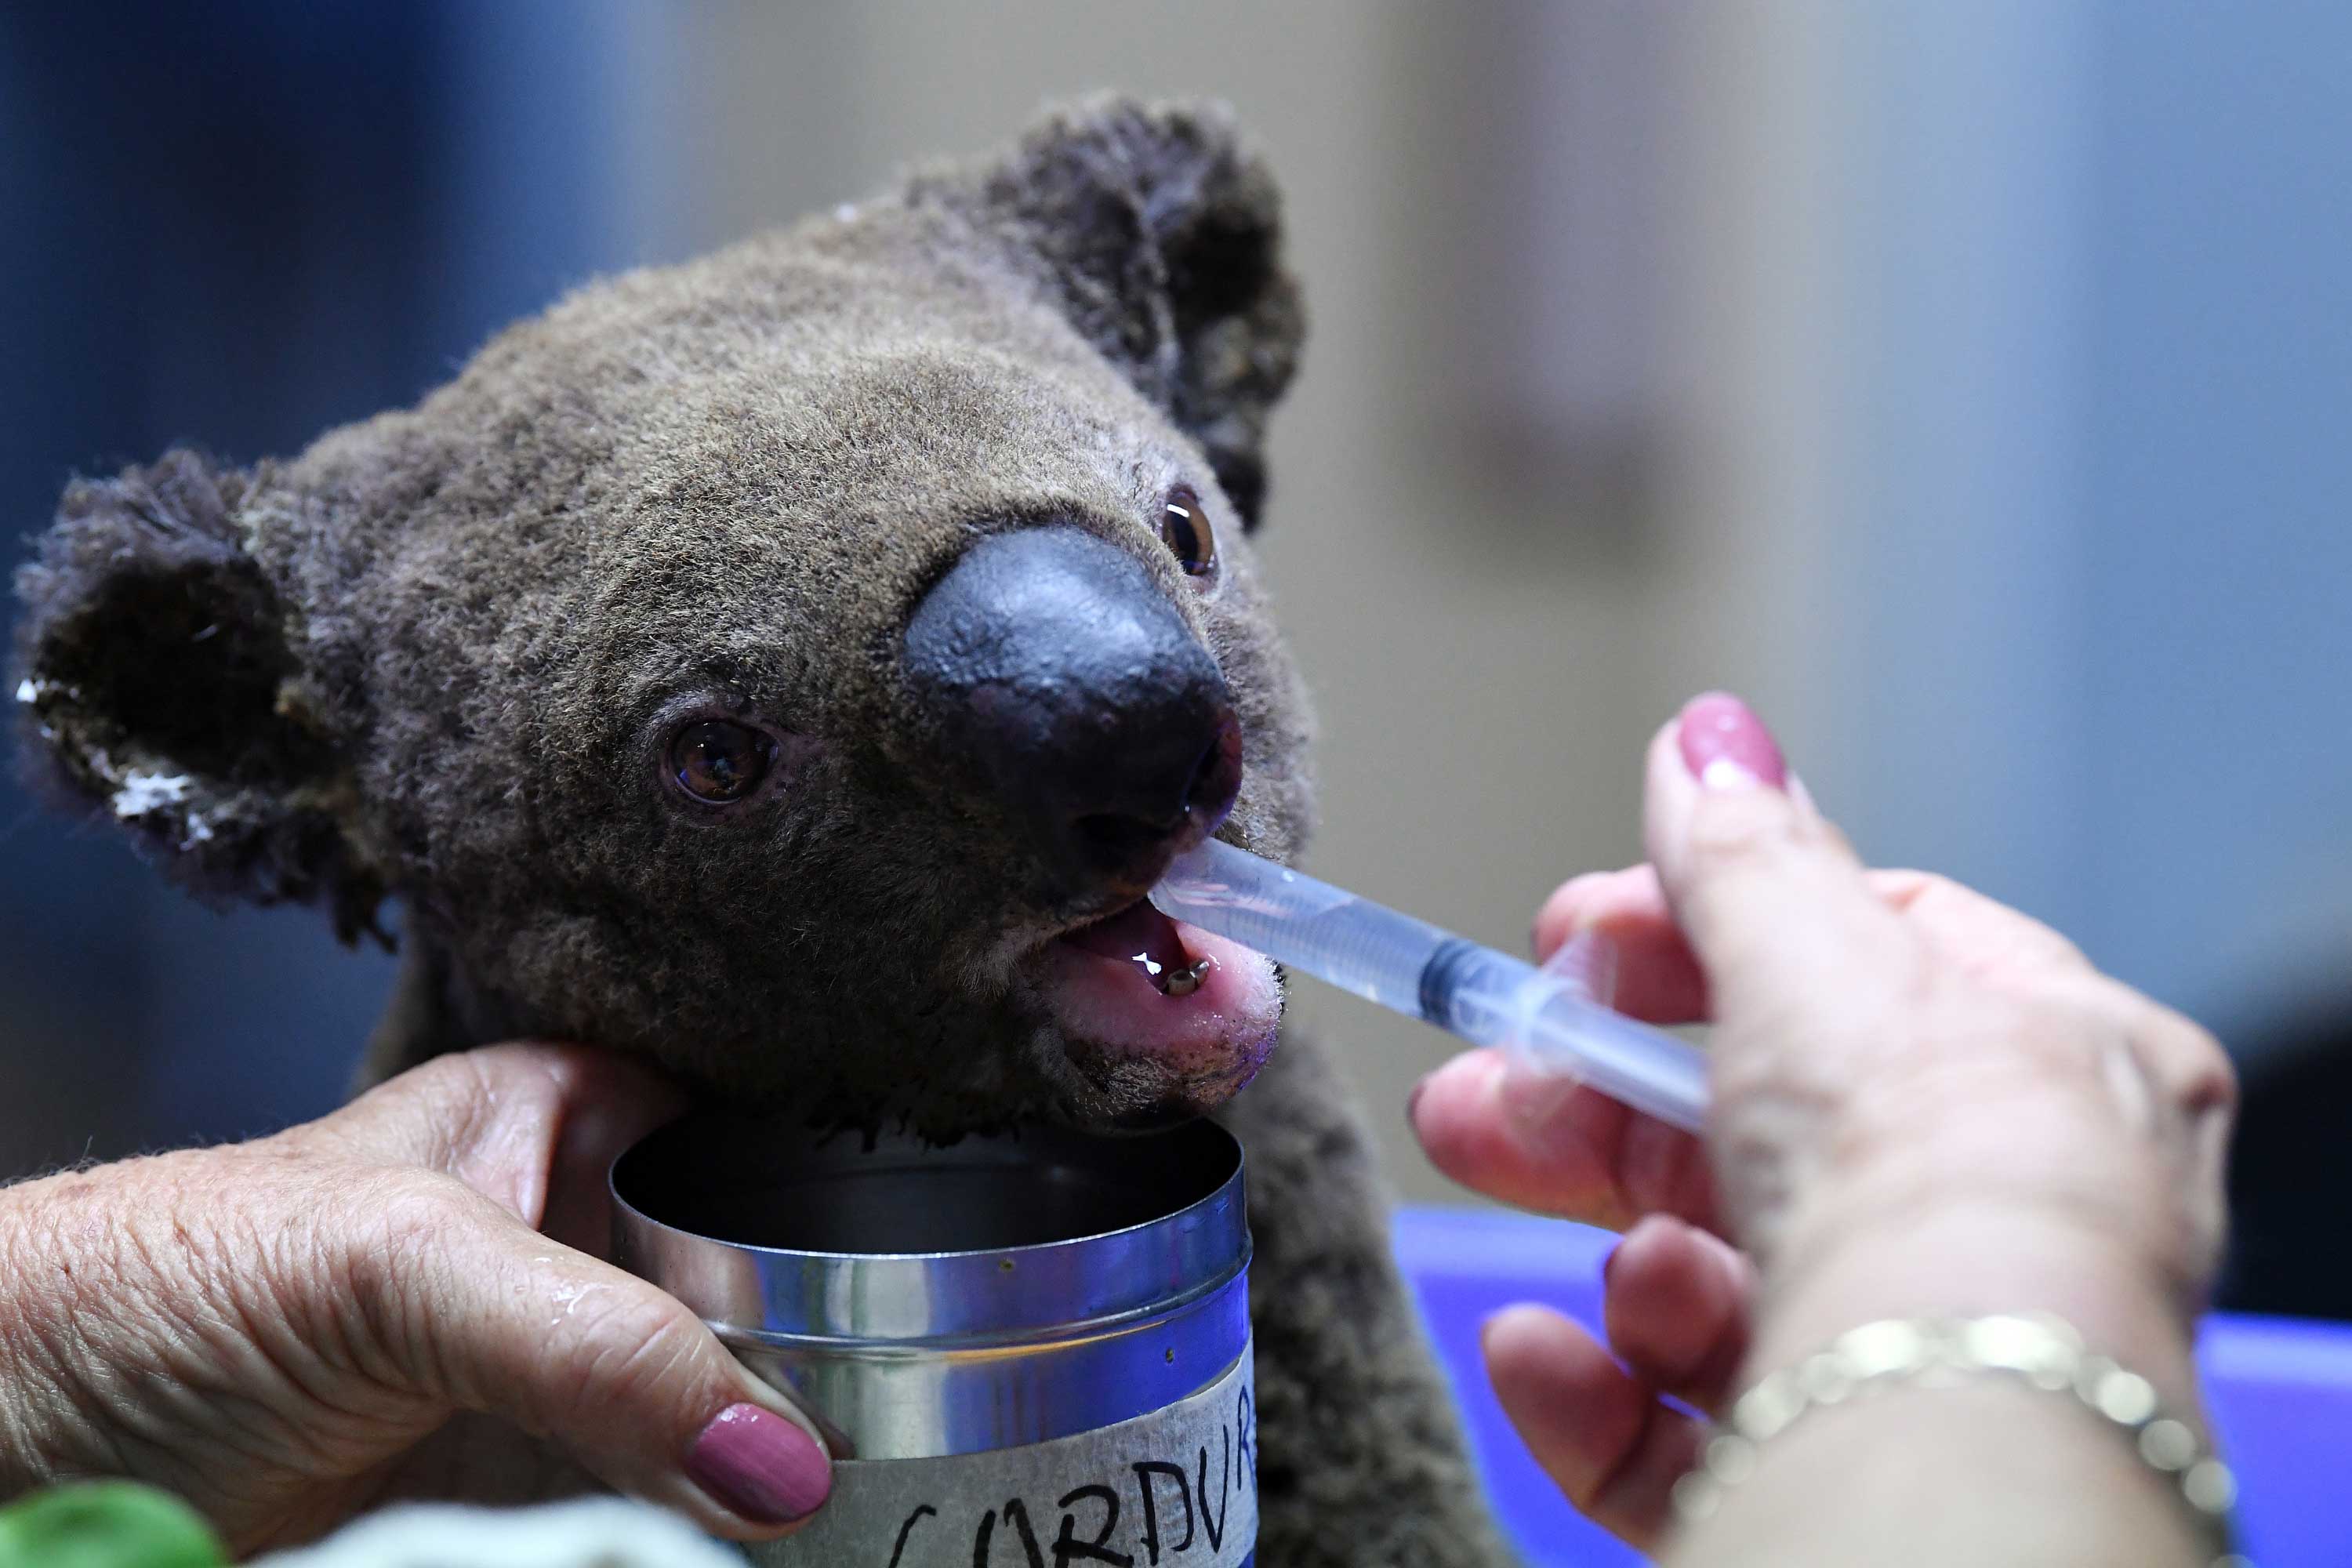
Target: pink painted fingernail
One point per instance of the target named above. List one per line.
(759, 1464)
(1726, 746)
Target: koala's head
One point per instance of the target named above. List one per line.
(794, 665)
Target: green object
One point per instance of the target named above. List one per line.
(106, 1524)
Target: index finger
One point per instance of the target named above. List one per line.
(1658, 978)
(1557, 1148)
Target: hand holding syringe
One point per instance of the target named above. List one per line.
(1549, 1018)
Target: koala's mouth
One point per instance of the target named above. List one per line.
(1143, 938)
(1136, 982)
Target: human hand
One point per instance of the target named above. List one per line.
(1922, 1102)
(406, 1299)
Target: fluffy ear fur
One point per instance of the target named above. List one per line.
(1160, 235)
(155, 674)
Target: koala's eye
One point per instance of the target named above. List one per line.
(1184, 528)
(719, 762)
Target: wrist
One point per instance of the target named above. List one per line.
(1969, 1258)
(1946, 1415)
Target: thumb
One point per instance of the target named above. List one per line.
(1772, 900)
(478, 1311)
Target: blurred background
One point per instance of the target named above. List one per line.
(1963, 384)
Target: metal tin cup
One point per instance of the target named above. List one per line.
(1024, 1350)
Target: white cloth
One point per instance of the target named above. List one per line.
(590, 1533)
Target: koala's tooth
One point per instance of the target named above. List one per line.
(1183, 981)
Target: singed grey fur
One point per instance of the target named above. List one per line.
(431, 659)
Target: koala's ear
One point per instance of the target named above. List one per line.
(156, 679)
(1162, 232)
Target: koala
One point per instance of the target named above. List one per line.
(794, 667)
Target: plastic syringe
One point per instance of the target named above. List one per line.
(1486, 997)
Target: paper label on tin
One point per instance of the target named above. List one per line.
(1173, 1488)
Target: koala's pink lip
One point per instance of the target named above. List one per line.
(1097, 982)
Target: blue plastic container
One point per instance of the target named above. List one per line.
(2281, 1390)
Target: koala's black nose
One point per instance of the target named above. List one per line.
(1061, 678)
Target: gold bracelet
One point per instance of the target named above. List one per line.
(2036, 1348)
